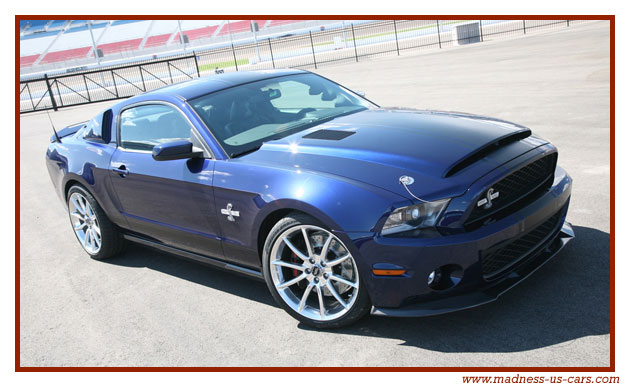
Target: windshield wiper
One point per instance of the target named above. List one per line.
(253, 149)
(333, 116)
(242, 153)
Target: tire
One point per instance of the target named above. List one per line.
(327, 277)
(87, 218)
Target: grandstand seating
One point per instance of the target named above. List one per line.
(49, 41)
(35, 25)
(57, 56)
(39, 34)
(275, 23)
(57, 24)
(240, 26)
(198, 33)
(126, 45)
(28, 60)
(156, 40)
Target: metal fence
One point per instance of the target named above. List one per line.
(349, 43)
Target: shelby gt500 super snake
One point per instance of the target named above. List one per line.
(341, 206)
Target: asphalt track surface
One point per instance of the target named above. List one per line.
(146, 308)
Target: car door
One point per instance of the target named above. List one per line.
(170, 201)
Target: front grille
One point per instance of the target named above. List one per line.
(496, 260)
(526, 183)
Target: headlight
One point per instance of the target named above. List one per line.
(418, 216)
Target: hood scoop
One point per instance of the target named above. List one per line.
(327, 134)
(485, 150)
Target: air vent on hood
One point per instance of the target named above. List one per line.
(327, 134)
(485, 150)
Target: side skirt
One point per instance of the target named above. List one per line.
(196, 257)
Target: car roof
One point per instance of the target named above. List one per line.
(197, 87)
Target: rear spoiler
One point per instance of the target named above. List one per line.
(68, 131)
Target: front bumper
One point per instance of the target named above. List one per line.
(484, 294)
(410, 295)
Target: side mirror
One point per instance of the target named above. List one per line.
(176, 150)
(359, 92)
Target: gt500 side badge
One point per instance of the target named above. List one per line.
(487, 201)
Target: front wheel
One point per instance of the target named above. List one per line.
(312, 274)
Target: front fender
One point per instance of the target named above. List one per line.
(258, 191)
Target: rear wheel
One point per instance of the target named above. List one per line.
(312, 274)
(98, 236)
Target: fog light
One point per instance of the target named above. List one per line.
(434, 277)
(445, 277)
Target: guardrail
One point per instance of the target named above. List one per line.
(309, 50)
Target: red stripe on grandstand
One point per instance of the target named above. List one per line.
(275, 23)
(156, 40)
(240, 26)
(26, 61)
(198, 33)
(125, 45)
(58, 56)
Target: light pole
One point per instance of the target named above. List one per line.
(251, 22)
(98, 58)
(181, 35)
(230, 32)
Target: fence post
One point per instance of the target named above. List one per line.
(396, 34)
(437, 22)
(196, 65)
(234, 54)
(567, 23)
(86, 89)
(271, 52)
(524, 31)
(50, 94)
(312, 48)
(481, 30)
(354, 41)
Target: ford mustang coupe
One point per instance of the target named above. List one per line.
(341, 206)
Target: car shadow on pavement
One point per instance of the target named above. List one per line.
(139, 256)
(566, 299)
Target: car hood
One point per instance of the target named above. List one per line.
(444, 152)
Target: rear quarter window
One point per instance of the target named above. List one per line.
(99, 127)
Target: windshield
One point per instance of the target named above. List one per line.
(243, 117)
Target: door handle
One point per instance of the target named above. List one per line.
(121, 170)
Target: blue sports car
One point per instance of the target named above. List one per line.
(340, 206)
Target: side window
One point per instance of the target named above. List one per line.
(143, 127)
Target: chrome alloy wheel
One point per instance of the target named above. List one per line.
(314, 272)
(85, 223)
